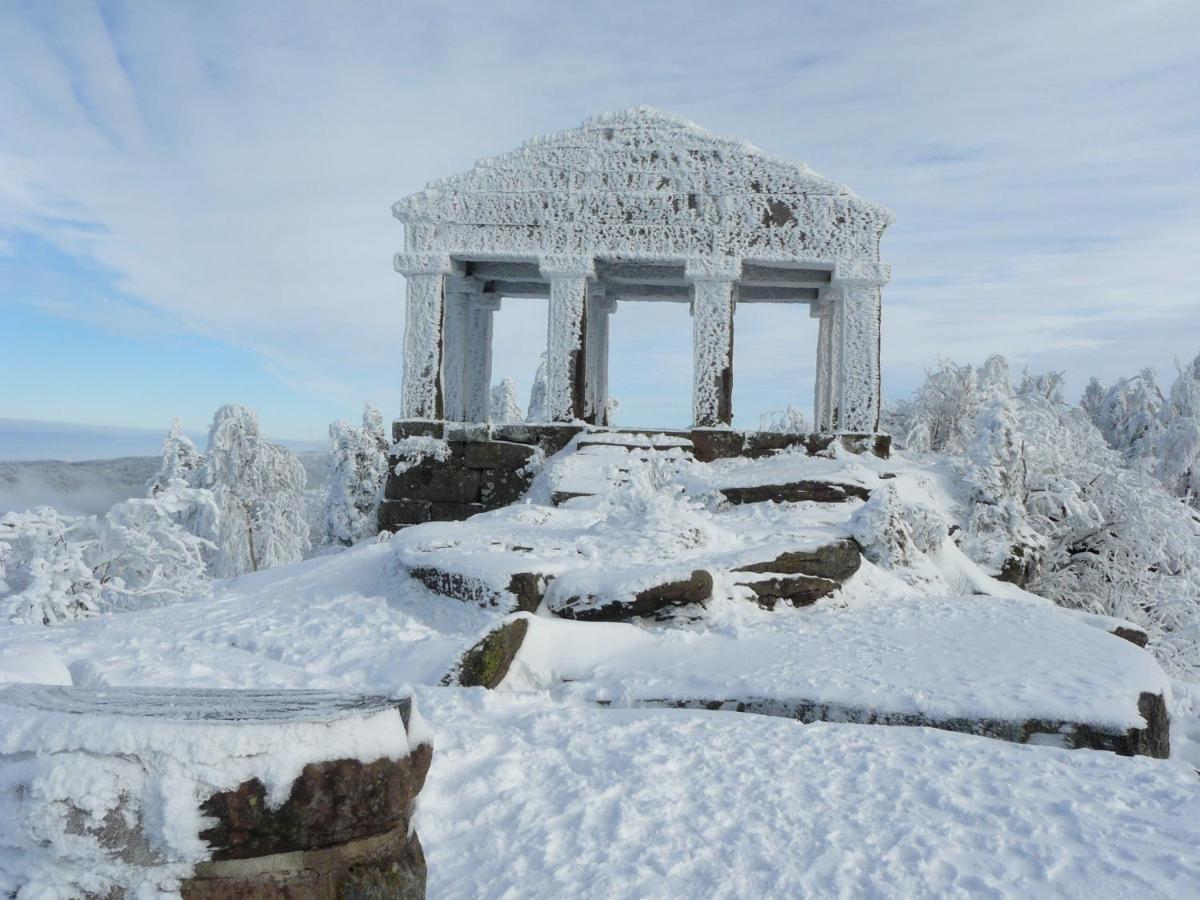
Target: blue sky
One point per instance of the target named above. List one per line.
(194, 198)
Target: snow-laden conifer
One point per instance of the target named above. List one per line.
(180, 459)
(357, 471)
(259, 489)
(504, 408)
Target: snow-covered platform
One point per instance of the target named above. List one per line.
(1014, 669)
(210, 793)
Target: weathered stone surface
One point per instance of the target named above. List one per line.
(404, 428)
(498, 455)
(500, 487)
(330, 803)
(695, 589)
(394, 513)
(796, 492)
(550, 437)
(445, 511)
(560, 497)
(528, 588)
(486, 664)
(1149, 741)
(835, 561)
(798, 590)
(425, 482)
(714, 443)
(1133, 635)
(391, 865)
(1020, 566)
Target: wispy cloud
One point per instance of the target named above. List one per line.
(232, 164)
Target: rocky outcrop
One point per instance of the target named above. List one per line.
(696, 588)
(523, 593)
(801, 577)
(1152, 740)
(796, 492)
(486, 663)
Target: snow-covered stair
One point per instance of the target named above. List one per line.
(604, 460)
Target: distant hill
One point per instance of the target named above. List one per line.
(31, 439)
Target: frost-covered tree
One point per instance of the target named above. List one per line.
(357, 471)
(788, 421)
(138, 554)
(1130, 417)
(1093, 397)
(180, 459)
(1178, 463)
(538, 393)
(259, 490)
(503, 407)
(941, 411)
(1108, 538)
(375, 430)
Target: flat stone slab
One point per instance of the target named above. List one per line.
(796, 492)
(612, 596)
(263, 778)
(1007, 667)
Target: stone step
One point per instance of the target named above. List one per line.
(796, 492)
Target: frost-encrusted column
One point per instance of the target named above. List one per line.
(477, 382)
(599, 308)
(822, 399)
(858, 291)
(423, 318)
(566, 352)
(713, 281)
(460, 294)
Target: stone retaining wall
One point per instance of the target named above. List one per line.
(490, 466)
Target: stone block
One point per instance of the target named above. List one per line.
(443, 511)
(497, 455)
(441, 484)
(835, 561)
(714, 443)
(500, 487)
(486, 663)
(796, 492)
(695, 589)
(402, 512)
(405, 428)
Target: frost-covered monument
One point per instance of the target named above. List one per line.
(634, 206)
(637, 206)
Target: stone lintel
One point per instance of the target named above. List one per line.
(712, 268)
(423, 263)
(859, 272)
(555, 267)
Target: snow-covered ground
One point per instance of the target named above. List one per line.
(537, 791)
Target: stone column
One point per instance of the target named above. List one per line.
(822, 394)
(599, 309)
(713, 283)
(477, 381)
(423, 321)
(858, 290)
(566, 351)
(460, 296)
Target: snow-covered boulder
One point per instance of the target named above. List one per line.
(130, 792)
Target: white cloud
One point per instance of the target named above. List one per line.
(238, 160)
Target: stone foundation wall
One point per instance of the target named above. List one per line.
(493, 465)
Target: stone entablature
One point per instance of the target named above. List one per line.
(639, 205)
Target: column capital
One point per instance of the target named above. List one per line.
(489, 301)
(859, 273)
(712, 268)
(556, 266)
(423, 263)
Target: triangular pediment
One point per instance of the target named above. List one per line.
(638, 152)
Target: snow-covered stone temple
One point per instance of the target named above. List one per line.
(637, 206)
(632, 207)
